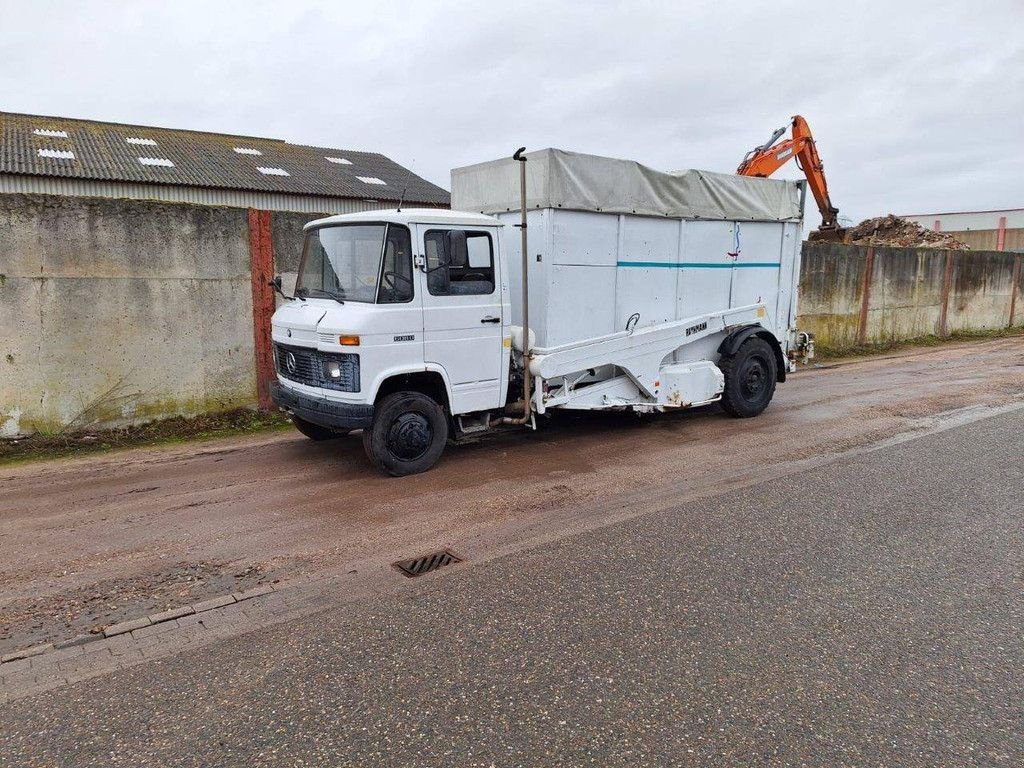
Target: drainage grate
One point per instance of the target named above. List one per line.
(420, 565)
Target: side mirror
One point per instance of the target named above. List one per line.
(276, 285)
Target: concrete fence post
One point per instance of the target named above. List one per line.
(947, 282)
(261, 260)
(1014, 289)
(865, 294)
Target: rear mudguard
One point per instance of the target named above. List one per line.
(731, 344)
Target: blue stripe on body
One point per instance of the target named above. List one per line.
(697, 265)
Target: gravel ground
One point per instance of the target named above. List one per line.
(867, 612)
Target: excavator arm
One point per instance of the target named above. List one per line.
(764, 160)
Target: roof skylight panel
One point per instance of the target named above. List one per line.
(338, 160)
(57, 154)
(161, 161)
(371, 180)
(272, 171)
(50, 132)
(247, 151)
(137, 140)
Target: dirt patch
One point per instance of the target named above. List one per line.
(59, 616)
(893, 231)
(179, 428)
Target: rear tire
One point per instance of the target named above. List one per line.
(750, 377)
(314, 431)
(408, 434)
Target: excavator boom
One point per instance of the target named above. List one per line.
(764, 160)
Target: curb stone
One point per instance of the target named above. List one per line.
(125, 627)
(28, 653)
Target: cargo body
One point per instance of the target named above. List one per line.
(646, 291)
(610, 238)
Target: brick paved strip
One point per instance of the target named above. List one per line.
(140, 641)
(126, 626)
(79, 640)
(155, 629)
(263, 589)
(213, 602)
(145, 621)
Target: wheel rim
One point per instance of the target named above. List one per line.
(409, 436)
(753, 378)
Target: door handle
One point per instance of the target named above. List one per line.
(490, 319)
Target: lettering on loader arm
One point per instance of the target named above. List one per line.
(697, 328)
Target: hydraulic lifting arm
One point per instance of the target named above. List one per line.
(764, 160)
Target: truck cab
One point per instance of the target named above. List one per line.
(406, 311)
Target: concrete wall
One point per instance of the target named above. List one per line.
(851, 295)
(113, 311)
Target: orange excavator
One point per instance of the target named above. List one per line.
(764, 160)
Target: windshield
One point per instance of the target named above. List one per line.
(343, 262)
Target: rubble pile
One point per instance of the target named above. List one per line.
(893, 231)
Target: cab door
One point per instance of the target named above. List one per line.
(462, 320)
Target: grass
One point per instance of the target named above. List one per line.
(178, 429)
(825, 353)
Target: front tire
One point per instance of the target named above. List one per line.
(408, 434)
(750, 377)
(314, 431)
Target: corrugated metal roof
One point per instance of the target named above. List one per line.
(103, 152)
(233, 198)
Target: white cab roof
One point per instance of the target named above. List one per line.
(411, 216)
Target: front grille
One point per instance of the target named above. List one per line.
(308, 366)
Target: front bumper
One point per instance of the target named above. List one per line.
(321, 411)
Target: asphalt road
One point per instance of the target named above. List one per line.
(865, 612)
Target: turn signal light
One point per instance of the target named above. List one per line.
(348, 341)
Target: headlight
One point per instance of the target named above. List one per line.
(333, 369)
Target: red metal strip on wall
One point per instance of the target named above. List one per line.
(865, 303)
(1001, 234)
(938, 225)
(261, 261)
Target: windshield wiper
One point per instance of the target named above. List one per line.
(313, 292)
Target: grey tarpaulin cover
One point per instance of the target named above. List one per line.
(559, 179)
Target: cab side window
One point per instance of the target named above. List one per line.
(459, 262)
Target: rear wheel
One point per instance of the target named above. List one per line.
(408, 434)
(750, 377)
(314, 431)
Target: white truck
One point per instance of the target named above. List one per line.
(637, 290)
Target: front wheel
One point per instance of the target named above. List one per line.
(750, 377)
(408, 434)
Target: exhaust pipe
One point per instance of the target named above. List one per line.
(527, 412)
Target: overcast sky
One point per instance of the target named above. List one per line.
(917, 106)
